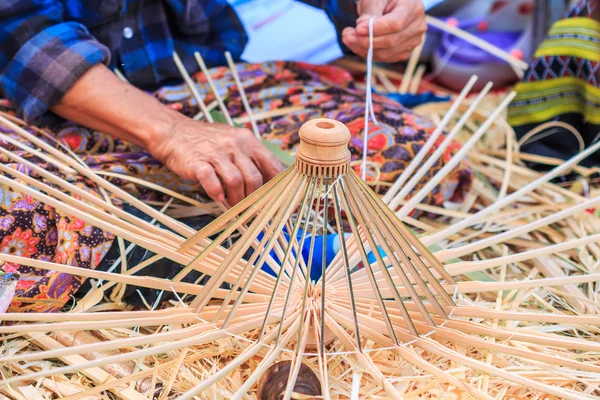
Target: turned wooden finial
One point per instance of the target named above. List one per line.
(323, 149)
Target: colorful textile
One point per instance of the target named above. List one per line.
(305, 91)
(561, 84)
(45, 46)
(297, 91)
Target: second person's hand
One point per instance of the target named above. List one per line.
(398, 28)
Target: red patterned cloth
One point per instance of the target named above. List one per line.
(32, 229)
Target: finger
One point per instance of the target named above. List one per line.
(267, 163)
(381, 42)
(395, 21)
(206, 175)
(232, 180)
(390, 56)
(385, 25)
(412, 31)
(387, 53)
(253, 179)
(351, 42)
(374, 8)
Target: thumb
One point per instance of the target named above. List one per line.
(366, 10)
(370, 8)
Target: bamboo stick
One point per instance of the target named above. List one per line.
(192, 86)
(394, 202)
(238, 82)
(422, 153)
(408, 207)
(416, 81)
(212, 86)
(512, 197)
(519, 66)
(410, 68)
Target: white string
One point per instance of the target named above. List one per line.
(449, 316)
(368, 101)
(455, 295)
(331, 187)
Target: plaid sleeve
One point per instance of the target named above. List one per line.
(41, 56)
(220, 22)
(342, 13)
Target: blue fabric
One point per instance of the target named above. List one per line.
(47, 45)
(413, 100)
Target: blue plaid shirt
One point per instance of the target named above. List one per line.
(46, 45)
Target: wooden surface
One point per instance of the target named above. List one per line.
(323, 149)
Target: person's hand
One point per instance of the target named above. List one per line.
(228, 162)
(398, 28)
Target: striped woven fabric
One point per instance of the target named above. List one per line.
(561, 84)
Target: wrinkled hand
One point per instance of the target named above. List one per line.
(397, 29)
(228, 162)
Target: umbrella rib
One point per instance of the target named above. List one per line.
(237, 252)
(298, 253)
(382, 266)
(338, 222)
(365, 260)
(267, 240)
(288, 251)
(398, 266)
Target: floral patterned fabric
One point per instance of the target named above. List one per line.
(299, 91)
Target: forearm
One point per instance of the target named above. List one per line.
(100, 100)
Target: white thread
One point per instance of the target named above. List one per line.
(428, 333)
(368, 101)
(330, 187)
(178, 298)
(449, 316)
(157, 302)
(455, 295)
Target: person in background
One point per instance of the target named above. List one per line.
(562, 84)
(57, 55)
(56, 71)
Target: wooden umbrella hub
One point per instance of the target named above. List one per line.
(323, 149)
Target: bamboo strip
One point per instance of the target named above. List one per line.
(177, 226)
(212, 86)
(192, 86)
(439, 151)
(93, 372)
(406, 209)
(238, 82)
(422, 153)
(416, 81)
(512, 197)
(410, 68)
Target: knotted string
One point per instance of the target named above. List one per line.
(368, 102)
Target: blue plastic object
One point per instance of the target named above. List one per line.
(333, 247)
(413, 100)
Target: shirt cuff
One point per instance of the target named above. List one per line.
(342, 13)
(48, 65)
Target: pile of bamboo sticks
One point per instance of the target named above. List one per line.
(521, 253)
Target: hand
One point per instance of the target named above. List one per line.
(398, 28)
(228, 162)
